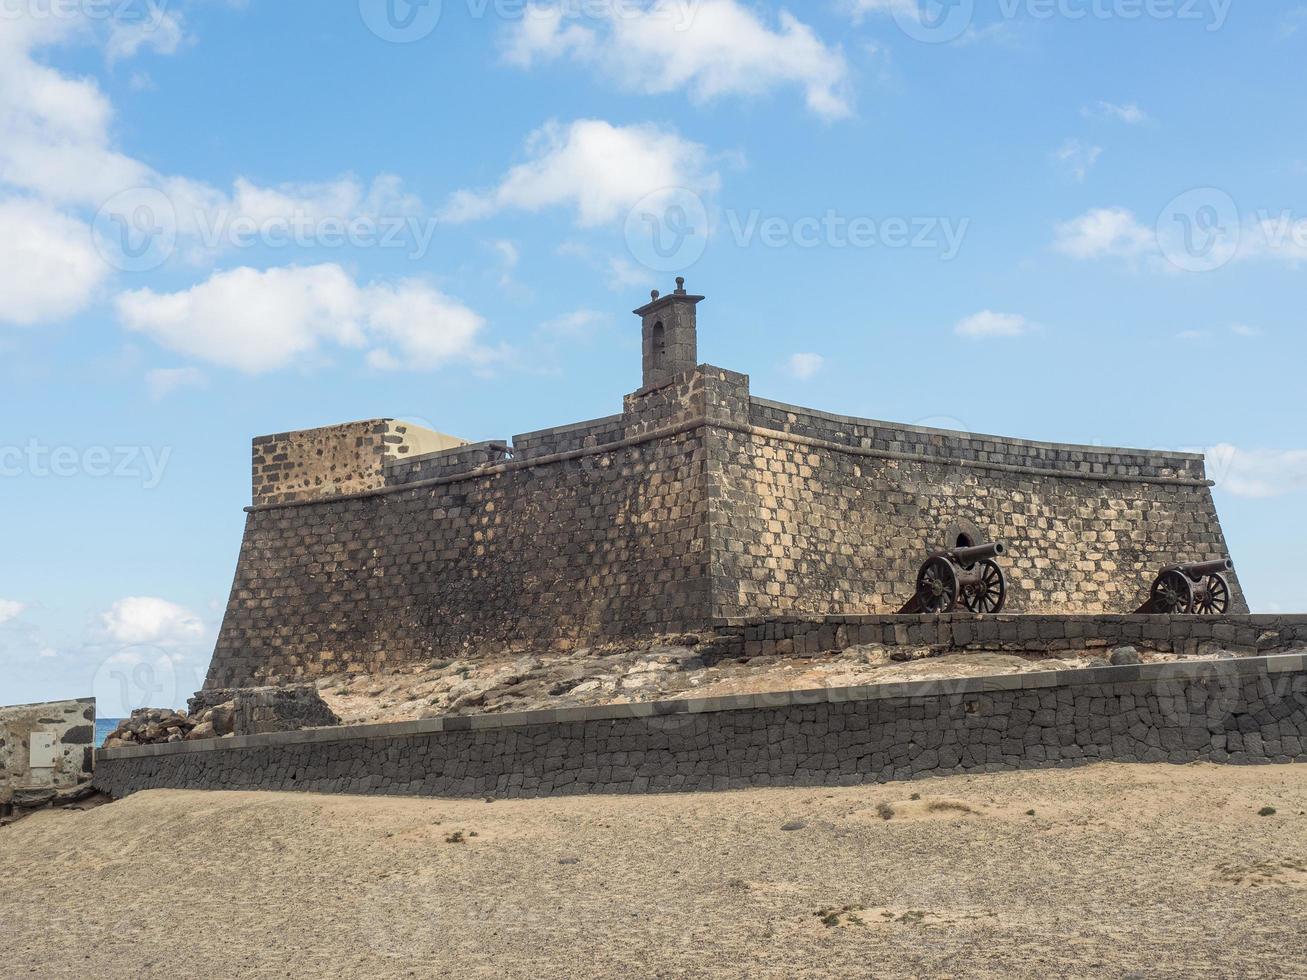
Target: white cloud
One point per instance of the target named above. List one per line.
(1104, 232)
(162, 382)
(160, 30)
(1130, 114)
(145, 619)
(805, 366)
(599, 169)
(1077, 158)
(1257, 473)
(577, 324)
(1278, 238)
(710, 48)
(49, 267)
(256, 321)
(9, 609)
(56, 143)
(508, 253)
(987, 324)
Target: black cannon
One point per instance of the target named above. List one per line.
(1200, 588)
(970, 576)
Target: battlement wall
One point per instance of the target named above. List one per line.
(973, 449)
(335, 460)
(698, 505)
(552, 550)
(820, 514)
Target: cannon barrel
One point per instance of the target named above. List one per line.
(1199, 569)
(981, 552)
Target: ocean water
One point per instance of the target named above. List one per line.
(104, 728)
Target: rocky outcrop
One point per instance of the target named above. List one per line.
(262, 710)
(220, 714)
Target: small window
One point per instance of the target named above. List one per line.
(658, 344)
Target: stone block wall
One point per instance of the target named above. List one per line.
(698, 504)
(822, 514)
(967, 633)
(1235, 711)
(338, 459)
(69, 725)
(607, 542)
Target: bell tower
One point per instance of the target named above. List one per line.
(671, 339)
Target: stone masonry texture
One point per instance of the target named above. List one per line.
(699, 505)
(1233, 711)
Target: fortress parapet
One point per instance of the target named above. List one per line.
(381, 543)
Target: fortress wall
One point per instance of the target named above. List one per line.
(564, 438)
(1234, 711)
(337, 459)
(574, 551)
(816, 514)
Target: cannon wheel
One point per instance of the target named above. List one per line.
(937, 586)
(1216, 600)
(990, 594)
(1173, 593)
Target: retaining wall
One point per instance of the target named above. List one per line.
(966, 632)
(1238, 711)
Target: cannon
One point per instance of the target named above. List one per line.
(969, 576)
(1200, 588)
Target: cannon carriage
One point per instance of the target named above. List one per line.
(1199, 588)
(969, 577)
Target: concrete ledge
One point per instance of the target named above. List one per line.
(903, 690)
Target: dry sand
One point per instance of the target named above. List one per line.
(1148, 871)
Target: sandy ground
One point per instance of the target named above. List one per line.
(1120, 871)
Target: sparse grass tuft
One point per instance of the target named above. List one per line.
(949, 806)
(884, 810)
(1266, 811)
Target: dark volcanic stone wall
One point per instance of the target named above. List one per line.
(821, 514)
(602, 546)
(1249, 711)
(698, 504)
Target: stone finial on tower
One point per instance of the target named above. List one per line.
(671, 338)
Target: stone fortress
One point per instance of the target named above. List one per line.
(699, 508)
(701, 531)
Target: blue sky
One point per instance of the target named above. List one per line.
(1076, 220)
